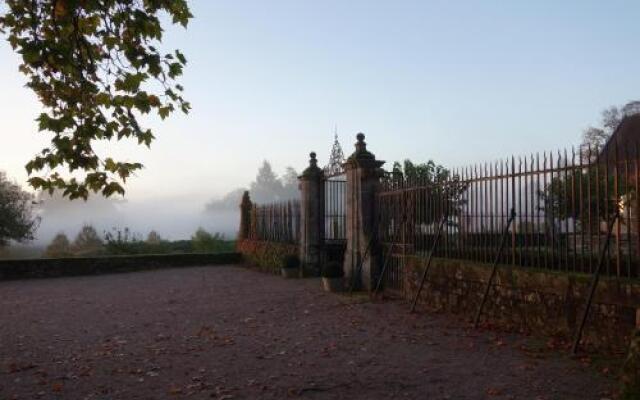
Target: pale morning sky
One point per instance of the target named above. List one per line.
(458, 82)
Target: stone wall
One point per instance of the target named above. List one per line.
(531, 301)
(265, 256)
(57, 267)
(631, 370)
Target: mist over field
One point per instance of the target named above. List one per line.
(173, 218)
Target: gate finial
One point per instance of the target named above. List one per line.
(336, 159)
(312, 170)
(362, 156)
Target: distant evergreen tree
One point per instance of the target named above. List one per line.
(59, 247)
(267, 187)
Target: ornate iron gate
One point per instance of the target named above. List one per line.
(335, 213)
(335, 218)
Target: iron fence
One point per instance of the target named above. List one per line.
(562, 202)
(276, 222)
(335, 209)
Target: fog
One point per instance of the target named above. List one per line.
(173, 218)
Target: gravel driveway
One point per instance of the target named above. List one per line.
(233, 333)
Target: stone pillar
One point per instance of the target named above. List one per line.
(363, 182)
(311, 216)
(245, 217)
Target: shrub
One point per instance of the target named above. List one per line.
(291, 261)
(332, 269)
(87, 242)
(121, 242)
(124, 242)
(205, 242)
(59, 247)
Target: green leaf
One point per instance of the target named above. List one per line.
(93, 66)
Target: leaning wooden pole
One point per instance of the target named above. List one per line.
(359, 266)
(487, 288)
(426, 268)
(382, 272)
(594, 283)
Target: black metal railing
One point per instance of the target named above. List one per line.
(276, 222)
(562, 202)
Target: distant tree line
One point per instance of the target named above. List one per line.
(88, 243)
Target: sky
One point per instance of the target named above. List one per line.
(457, 82)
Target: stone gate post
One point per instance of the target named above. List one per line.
(245, 216)
(311, 184)
(363, 181)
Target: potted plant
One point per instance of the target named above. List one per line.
(332, 277)
(290, 266)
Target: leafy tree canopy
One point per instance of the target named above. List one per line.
(559, 200)
(16, 213)
(442, 191)
(596, 137)
(94, 65)
(430, 172)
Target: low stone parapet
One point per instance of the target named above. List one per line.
(59, 267)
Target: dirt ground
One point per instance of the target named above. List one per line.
(232, 333)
